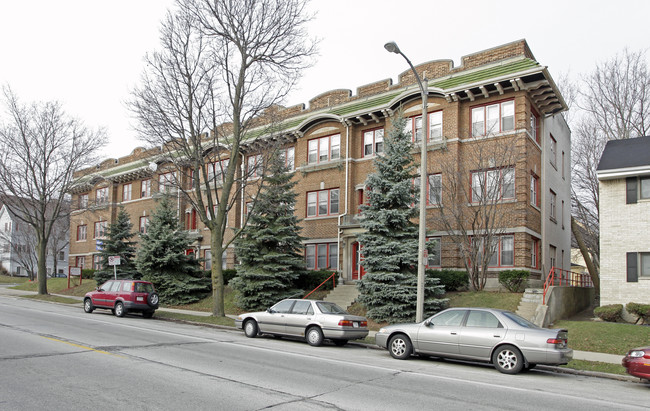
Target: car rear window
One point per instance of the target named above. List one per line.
(143, 288)
(330, 308)
(522, 322)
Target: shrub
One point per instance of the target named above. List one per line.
(642, 311)
(453, 280)
(512, 280)
(610, 313)
(309, 280)
(88, 273)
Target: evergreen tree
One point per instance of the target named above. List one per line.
(117, 243)
(390, 240)
(161, 259)
(269, 249)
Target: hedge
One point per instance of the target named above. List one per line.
(512, 280)
(610, 313)
(453, 280)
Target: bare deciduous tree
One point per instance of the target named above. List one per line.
(221, 67)
(40, 148)
(477, 185)
(613, 102)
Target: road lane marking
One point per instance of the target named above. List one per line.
(83, 346)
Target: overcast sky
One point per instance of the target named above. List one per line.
(88, 54)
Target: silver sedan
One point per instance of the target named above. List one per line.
(500, 337)
(312, 319)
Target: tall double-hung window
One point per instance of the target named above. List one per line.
(373, 142)
(494, 185)
(414, 126)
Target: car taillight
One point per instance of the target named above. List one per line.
(345, 323)
(556, 341)
(363, 323)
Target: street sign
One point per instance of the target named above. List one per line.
(99, 245)
(114, 260)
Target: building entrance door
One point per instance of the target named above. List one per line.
(357, 270)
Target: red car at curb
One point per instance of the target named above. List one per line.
(123, 296)
(637, 362)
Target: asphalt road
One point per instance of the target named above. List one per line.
(57, 357)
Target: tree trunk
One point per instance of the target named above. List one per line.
(217, 273)
(591, 267)
(42, 268)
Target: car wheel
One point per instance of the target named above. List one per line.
(153, 299)
(251, 329)
(147, 314)
(400, 347)
(508, 359)
(88, 305)
(314, 336)
(120, 311)
(340, 343)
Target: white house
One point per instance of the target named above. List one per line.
(624, 185)
(17, 247)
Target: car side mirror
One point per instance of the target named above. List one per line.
(428, 323)
(98, 288)
(270, 310)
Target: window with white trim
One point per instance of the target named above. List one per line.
(553, 205)
(145, 188)
(323, 256)
(534, 253)
(82, 232)
(493, 118)
(80, 262)
(414, 127)
(254, 166)
(100, 229)
(207, 259)
(644, 185)
(101, 196)
(166, 182)
(324, 149)
(323, 203)
(434, 250)
(434, 188)
(553, 151)
(535, 131)
(494, 185)
(288, 157)
(373, 142)
(97, 262)
(502, 250)
(552, 251)
(83, 201)
(534, 190)
(216, 170)
(127, 190)
(144, 222)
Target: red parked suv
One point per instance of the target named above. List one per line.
(122, 296)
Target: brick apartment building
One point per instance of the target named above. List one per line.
(502, 94)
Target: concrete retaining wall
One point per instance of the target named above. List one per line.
(563, 302)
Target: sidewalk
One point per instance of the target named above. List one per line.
(577, 355)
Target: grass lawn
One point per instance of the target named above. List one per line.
(487, 299)
(599, 336)
(6, 279)
(195, 318)
(60, 286)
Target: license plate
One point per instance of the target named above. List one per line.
(355, 325)
(139, 298)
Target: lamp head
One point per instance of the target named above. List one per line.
(392, 47)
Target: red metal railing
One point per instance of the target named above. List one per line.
(328, 278)
(565, 278)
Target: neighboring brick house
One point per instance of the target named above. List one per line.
(498, 94)
(624, 185)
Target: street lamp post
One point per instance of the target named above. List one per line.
(419, 310)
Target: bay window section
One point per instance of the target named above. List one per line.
(493, 119)
(323, 256)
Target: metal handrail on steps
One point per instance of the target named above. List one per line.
(566, 278)
(333, 285)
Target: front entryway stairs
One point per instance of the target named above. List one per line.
(531, 299)
(343, 295)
